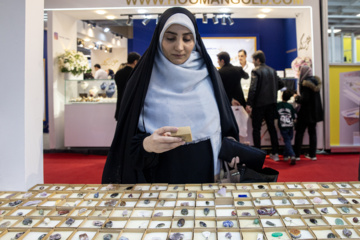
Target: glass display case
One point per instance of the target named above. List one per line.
(90, 91)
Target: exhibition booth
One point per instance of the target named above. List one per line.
(287, 32)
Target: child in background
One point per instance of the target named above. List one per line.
(286, 116)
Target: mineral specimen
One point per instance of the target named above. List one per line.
(228, 224)
(5, 224)
(355, 220)
(295, 233)
(158, 214)
(233, 213)
(69, 221)
(200, 195)
(347, 232)
(270, 223)
(343, 200)
(184, 204)
(146, 201)
(27, 221)
(108, 224)
(114, 195)
(181, 222)
(202, 224)
(13, 204)
(339, 221)
(122, 203)
(228, 235)
(190, 194)
(56, 236)
(206, 211)
(331, 235)
(83, 236)
(241, 203)
(18, 235)
(177, 236)
(345, 209)
(107, 236)
(324, 210)
(246, 214)
(184, 212)
(97, 223)
(313, 220)
(162, 202)
(41, 236)
(160, 225)
(63, 212)
(96, 195)
(277, 234)
(307, 211)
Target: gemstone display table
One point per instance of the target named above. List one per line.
(192, 211)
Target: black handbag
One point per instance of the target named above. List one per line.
(252, 157)
(248, 175)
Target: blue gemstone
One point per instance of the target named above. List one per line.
(228, 224)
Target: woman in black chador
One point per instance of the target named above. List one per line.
(173, 85)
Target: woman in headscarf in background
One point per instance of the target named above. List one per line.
(174, 84)
(310, 112)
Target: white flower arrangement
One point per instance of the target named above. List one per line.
(74, 62)
(298, 62)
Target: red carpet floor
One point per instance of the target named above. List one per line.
(73, 168)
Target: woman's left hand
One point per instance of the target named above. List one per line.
(234, 161)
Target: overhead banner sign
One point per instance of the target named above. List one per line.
(213, 2)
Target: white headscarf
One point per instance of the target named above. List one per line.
(182, 95)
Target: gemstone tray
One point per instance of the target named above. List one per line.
(248, 211)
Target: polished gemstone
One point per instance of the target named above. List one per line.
(241, 203)
(63, 212)
(279, 194)
(292, 211)
(19, 214)
(347, 232)
(355, 220)
(256, 221)
(355, 201)
(290, 194)
(245, 214)
(325, 185)
(185, 212)
(80, 195)
(5, 224)
(56, 236)
(82, 211)
(264, 195)
(334, 193)
(181, 222)
(233, 213)
(18, 235)
(42, 236)
(312, 192)
(150, 194)
(160, 225)
(109, 224)
(345, 209)
(343, 200)
(84, 236)
(69, 221)
(277, 234)
(200, 195)
(107, 236)
(228, 224)
(17, 202)
(265, 211)
(228, 235)
(130, 195)
(112, 203)
(57, 188)
(261, 187)
(295, 185)
(97, 223)
(2, 212)
(129, 188)
(146, 201)
(190, 194)
(288, 219)
(222, 192)
(307, 211)
(158, 214)
(47, 221)
(96, 195)
(317, 200)
(331, 235)
(184, 204)
(202, 224)
(325, 210)
(207, 203)
(339, 221)
(176, 187)
(206, 211)
(295, 233)
(177, 236)
(124, 213)
(162, 202)
(284, 201)
(122, 203)
(114, 195)
(345, 191)
(343, 184)
(257, 200)
(270, 223)
(313, 220)
(27, 221)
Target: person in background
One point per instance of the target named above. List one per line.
(310, 112)
(286, 116)
(174, 84)
(230, 76)
(99, 73)
(262, 99)
(110, 73)
(121, 77)
(247, 67)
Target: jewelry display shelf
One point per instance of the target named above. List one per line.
(249, 211)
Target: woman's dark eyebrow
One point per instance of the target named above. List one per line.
(188, 33)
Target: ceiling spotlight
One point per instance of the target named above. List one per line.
(106, 29)
(266, 10)
(205, 18)
(129, 21)
(110, 17)
(261, 15)
(146, 20)
(223, 20)
(231, 21)
(87, 39)
(91, 46)
(100, 12)
(215, 19)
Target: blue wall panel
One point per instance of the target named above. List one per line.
(274, 36)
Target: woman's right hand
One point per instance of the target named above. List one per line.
(161, 141)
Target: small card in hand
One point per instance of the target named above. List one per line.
(184, 133)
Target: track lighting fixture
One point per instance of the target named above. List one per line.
(146, 20)
(223, 20)
(205, 18)
(231, 21)
(93, 25)
(129, 21)
(215, 19)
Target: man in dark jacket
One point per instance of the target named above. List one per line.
(230, 76)
(122, 76)
(261, 102)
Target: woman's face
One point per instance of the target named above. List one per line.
(177, 44)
